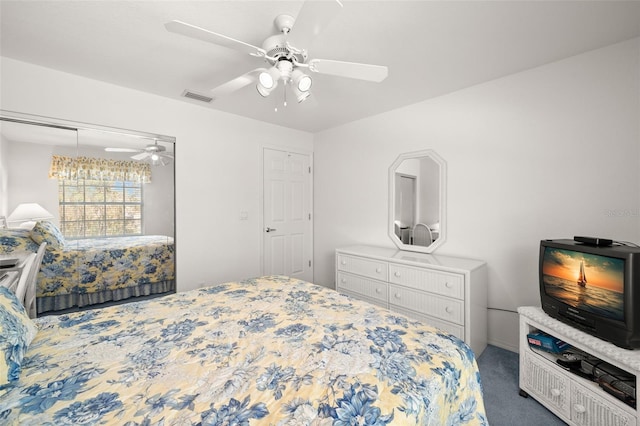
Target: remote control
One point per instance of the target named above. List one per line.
(593, 241)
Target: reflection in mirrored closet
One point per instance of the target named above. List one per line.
(101, 203)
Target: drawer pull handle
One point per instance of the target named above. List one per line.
(344, 262)
(397, 296)
(448, 284)
(378, 270)
(397, 274)
(579, 408)
(344, 280)
(448, 309)
(378, 290)
(555, 392)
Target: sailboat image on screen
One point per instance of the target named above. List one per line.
(582, 278)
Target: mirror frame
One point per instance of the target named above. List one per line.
(442, 195)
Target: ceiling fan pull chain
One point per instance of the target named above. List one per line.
(284, 89)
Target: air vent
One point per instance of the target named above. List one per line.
(197, 96)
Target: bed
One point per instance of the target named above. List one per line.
(269, 350)
(77, 273)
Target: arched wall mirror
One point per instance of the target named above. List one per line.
(107, 209)
(417, 192)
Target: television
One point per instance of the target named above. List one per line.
(593, 288)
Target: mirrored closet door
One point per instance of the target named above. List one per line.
(103, 201)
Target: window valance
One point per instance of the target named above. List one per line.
(101, 169)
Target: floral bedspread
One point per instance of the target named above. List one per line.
(96, 265)
(92, 265)
(271, 350)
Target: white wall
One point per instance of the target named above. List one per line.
(218, 161)
(27, 173)
(551, 152)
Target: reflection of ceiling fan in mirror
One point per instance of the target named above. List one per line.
(154, 154)
(285, 53)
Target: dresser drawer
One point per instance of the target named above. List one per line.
(455, 329)
(371, 289)
(443, 283)
(361, 266)
(445, 308)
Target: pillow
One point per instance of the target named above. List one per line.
(12, 239)
(47, 232)
(16, 333)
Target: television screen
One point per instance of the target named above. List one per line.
(589, 282)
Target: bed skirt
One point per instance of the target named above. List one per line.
(66, 301)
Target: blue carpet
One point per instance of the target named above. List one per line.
(504, 406)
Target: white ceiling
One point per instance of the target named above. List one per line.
(431, 47)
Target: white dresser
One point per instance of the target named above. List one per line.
(444, 291)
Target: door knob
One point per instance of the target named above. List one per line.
(269, 229)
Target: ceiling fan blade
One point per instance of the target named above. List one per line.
(193, 31)
(312, 19)
(141, 156)
(368, 72)
(122, 150)
(236, 84)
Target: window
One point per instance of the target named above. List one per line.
(92, 208)
(99, 197)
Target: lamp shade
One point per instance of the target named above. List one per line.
(29, 212)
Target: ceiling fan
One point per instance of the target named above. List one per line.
(285, 54)
(154, 154)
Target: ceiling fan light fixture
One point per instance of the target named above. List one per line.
(300, 95)
(157, 159)
(268, 79)
(304, 84)
(265, 80)
(301, 80)
(264, 92)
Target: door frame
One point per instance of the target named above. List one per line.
(262, 221)
(414, 195)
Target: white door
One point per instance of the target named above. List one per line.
(405, 199)
(287, 222)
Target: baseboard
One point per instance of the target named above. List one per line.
(504, 345)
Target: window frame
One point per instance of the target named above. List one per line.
(103, 186)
